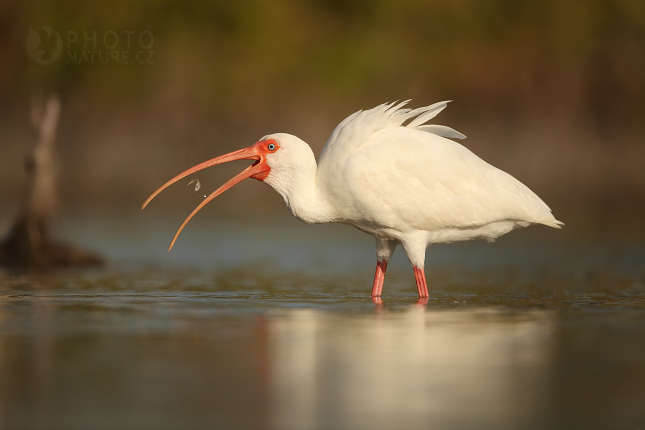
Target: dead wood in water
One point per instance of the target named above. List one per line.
(28, 243)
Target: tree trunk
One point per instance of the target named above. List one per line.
(28, 243)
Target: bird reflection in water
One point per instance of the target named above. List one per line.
(380, 303)
(415, 368)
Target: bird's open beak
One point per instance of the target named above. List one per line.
(259, 170)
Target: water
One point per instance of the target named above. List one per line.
(269, 326)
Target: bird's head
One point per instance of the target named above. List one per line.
(276, 159)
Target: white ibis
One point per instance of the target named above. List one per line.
(403, 184)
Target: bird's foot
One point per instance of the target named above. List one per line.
(378, 302)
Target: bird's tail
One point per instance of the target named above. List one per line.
(553, 223)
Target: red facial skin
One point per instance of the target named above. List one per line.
(263, 150)
(259, 170)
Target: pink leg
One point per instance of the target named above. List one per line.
(379, 276)
(420, 276)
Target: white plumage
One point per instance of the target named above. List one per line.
(404, 184)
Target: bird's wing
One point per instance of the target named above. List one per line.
(355, 130)
(410, 180)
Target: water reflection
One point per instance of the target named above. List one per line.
(238, 349)
(412, 369)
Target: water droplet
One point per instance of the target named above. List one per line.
(197, 184)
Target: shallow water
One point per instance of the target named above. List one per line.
(272, 328)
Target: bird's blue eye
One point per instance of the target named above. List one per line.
(271, 146)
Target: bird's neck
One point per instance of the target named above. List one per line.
(304, 199)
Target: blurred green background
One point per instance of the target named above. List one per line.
(552, 92)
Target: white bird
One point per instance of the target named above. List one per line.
(403, 184)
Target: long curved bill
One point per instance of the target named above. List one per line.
(250, 153)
